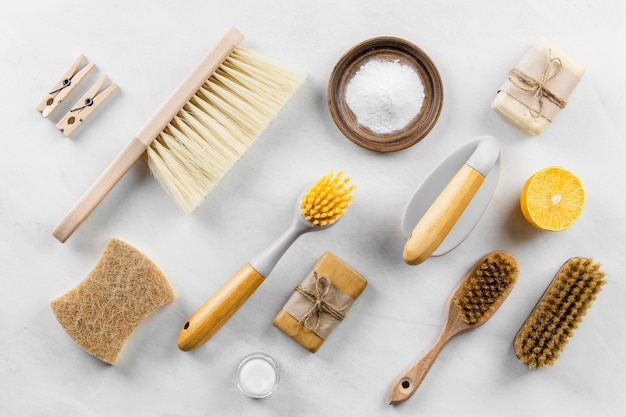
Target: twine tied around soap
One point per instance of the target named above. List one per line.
(541, 92)
(320, 305)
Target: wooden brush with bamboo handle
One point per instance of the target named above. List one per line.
(201, 130)
(324, 203)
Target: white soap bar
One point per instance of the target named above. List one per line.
(518, 113)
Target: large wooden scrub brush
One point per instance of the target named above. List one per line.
(558, 312)
(202, 129)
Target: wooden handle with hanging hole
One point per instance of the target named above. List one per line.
(218, 309)
(406, 385)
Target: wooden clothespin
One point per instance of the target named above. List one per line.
(83, 108)
(64, 86)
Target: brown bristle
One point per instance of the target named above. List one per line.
(487, 284)
(549, 326)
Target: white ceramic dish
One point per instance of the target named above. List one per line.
(257, 375)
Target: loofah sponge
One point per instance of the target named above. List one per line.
(558, 312)
(102, 311)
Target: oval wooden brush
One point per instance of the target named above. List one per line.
(476, 298)
(323, 204)
(450, 204)
(558, 312)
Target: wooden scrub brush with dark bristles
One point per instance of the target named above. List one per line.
(202, 129)
(558, 312)
(476, 298)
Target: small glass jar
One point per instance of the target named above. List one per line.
(257, 375)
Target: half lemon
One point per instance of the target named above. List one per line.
(552, 199)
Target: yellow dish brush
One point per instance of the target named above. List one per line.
(323, 204)
(476, 298)
(558, 312)
(201, 130)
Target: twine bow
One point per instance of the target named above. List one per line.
(541, 92)
(320, 305)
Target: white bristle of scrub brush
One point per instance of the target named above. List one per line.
(219, 124)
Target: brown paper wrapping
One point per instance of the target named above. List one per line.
(541, 83)
(320, 302)
(538, 88)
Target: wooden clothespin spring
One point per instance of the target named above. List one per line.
(87, 104)
(66, 84)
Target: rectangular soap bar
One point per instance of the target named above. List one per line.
(320, 302)
(538, 87)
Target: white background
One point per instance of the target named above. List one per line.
(147, 47)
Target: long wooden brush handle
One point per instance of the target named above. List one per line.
(148, 133)
(441, 216)
(218, 309)
(407, 384)
(98, 190)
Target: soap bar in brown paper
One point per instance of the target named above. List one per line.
(538, 88)
(320, 302)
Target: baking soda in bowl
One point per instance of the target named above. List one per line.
(385, 96)
(257, 375)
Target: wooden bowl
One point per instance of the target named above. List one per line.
(385, 49)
